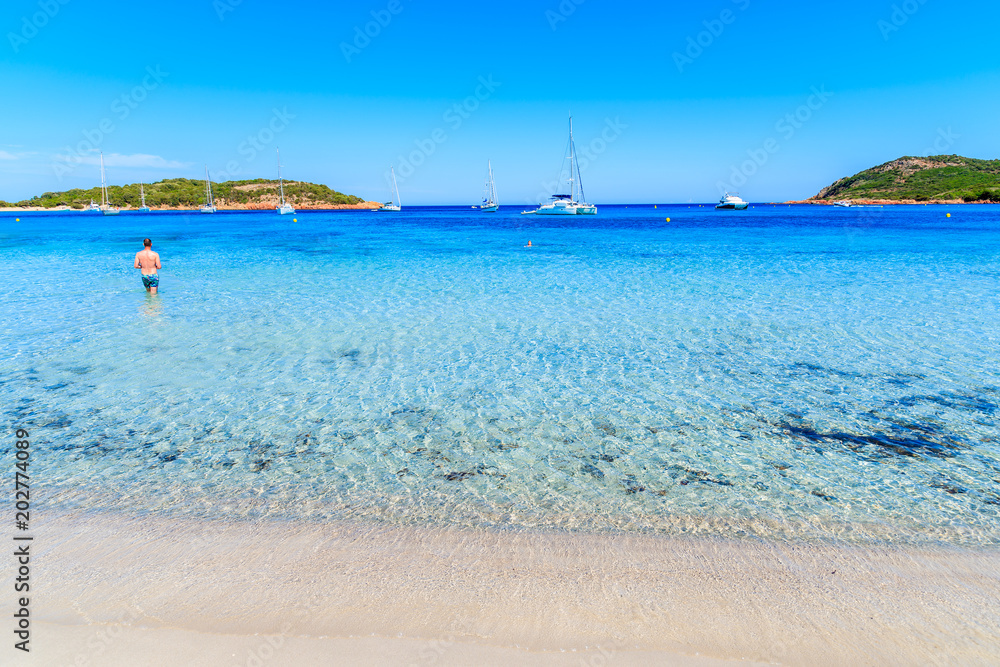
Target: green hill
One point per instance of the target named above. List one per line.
(184, 192)
(940, 177)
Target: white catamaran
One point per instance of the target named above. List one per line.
(283, 207)
(209, 207)
(566, 204)
(142, 195)
(395, 204)
(491, 202)
(106, 206)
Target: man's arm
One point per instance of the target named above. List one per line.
(136, 264)
(156, 261)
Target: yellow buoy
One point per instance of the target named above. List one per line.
(668, 219)
(949, 215)
(295, 219)
(17, 219)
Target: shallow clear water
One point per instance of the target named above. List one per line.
(803, 373)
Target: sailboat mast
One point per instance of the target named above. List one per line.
(395, 187)
(493, 185)
(281, 186)
(104, 183)
(142, 193)
(208, 186)
(572, 161)
(579, 176)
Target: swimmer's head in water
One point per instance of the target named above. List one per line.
(147, 243)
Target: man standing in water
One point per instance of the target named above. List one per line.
(149, 262)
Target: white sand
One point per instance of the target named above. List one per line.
(160, 592)
(121, 646)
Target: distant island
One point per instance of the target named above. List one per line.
(189, 194)
(940, 179)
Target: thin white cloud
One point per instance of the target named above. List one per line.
(140, 160)
(4, 155)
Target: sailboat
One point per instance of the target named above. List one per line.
(490, 201)
(142, 195)
(284, 207)
(395, 204)
(566, 204)
(106, 206)
(209, 207)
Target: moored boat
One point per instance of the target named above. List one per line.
(396, 204)
(566, 204)
(283, 208)
(731, 202)
(490, 201)
(209, 206)
(106, 206)
(142, 196)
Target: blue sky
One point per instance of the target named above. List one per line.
(671, 102)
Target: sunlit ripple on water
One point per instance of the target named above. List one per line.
(801, 373)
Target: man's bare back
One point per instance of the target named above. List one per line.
(149, 262)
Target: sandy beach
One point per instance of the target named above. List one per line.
(187, 592)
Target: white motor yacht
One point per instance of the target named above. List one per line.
(731, 203)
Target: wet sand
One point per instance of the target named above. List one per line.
(106, 590)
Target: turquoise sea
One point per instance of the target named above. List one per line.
(791, 373)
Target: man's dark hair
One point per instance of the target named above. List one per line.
(147, 242)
